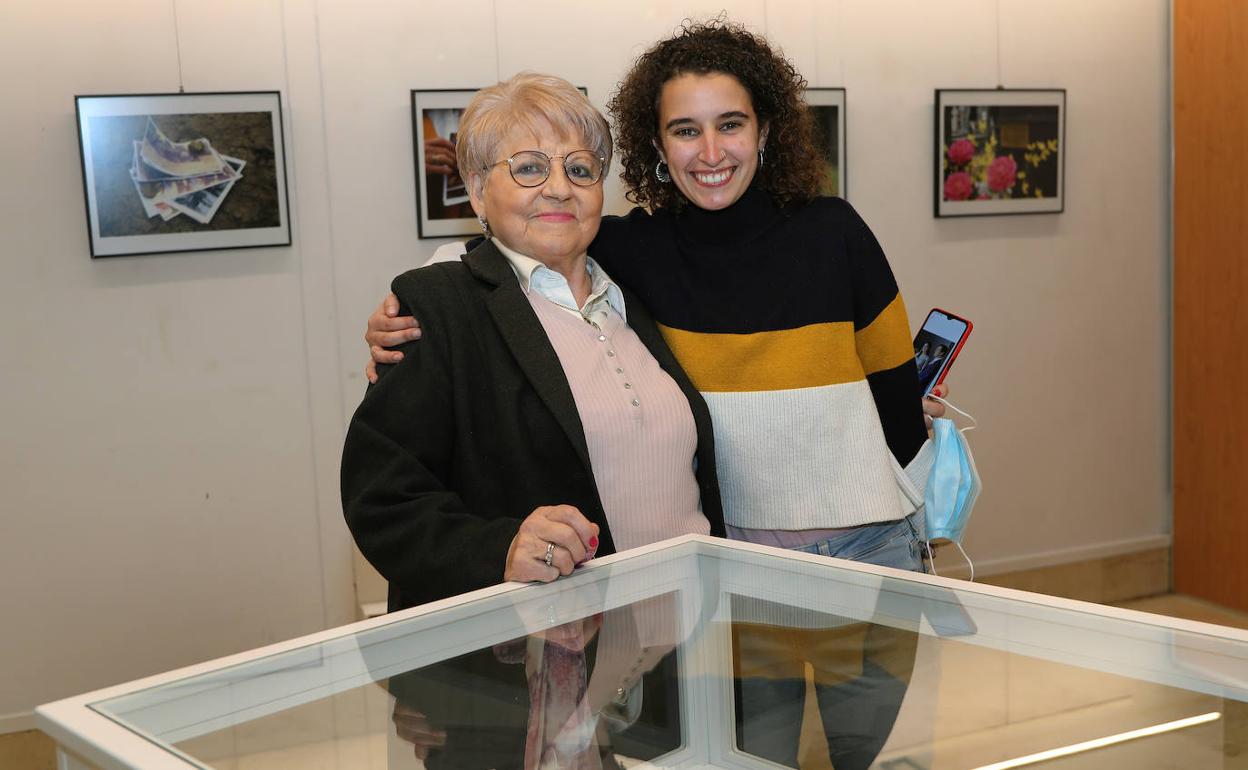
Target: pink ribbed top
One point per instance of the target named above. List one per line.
(638, 427)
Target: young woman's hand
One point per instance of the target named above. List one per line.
(933, 409)
(386, 329)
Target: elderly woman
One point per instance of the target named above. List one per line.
(543, 420)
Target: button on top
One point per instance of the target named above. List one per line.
(602, 338)
(611, 354)
(636, 402)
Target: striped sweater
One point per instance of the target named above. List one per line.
(790, 323)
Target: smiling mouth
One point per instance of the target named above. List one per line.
(713, 178)
(556, 216)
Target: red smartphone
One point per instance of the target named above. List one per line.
(937, 344)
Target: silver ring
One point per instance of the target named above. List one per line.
(550, 554)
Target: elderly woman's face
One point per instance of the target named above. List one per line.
(555, 220)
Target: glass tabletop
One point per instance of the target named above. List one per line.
(703, 653)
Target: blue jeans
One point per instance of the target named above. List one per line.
(861, 670)
(889, 544)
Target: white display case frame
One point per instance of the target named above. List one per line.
(98, 729)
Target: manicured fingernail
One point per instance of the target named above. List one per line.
(593, 542)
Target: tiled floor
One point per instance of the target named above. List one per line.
(1030, 702)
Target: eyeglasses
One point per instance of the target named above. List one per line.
(531, 168)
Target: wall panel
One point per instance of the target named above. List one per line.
(1210, 313)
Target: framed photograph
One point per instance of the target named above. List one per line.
(1000, 151)
(442, 207)
(183, 172)
(827, 106)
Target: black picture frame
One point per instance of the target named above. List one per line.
(828, 109)
(999, 151)
(442, 206)
(166, 173)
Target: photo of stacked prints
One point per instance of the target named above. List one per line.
(183, 172)
(190, 178)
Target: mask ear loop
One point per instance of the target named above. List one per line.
(969, 563)
(931, 559)
(974, 423)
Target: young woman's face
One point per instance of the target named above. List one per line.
(709, 136)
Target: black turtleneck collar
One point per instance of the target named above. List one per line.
(752, 214)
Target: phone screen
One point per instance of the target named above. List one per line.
(937, 345)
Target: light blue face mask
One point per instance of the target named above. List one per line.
(953, 484)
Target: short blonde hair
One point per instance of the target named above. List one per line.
(535, 101)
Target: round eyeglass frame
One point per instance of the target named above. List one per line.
(550, 164)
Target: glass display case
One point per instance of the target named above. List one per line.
(698, 652)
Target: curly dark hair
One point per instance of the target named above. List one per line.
(793, 170)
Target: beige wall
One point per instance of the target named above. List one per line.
(171, 423)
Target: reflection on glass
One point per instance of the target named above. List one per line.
(858, 671)
(570, 696)
(723, 658)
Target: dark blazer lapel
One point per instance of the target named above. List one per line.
(527, 340)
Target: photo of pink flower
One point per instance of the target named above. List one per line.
(999, 151)
(1002, 173)
(958, 186)
(961, 152)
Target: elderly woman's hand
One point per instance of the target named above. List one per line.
(386, 329)
(414, 727)
(933, 409)
(575, 635)
(560, 530)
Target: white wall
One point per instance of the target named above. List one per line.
(171, 423)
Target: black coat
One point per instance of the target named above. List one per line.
(473, 430)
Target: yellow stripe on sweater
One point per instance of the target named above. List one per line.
(805, 357)
(885, 343)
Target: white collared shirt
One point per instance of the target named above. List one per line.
(604, 294)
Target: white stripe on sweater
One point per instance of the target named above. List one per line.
(808, 458)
